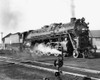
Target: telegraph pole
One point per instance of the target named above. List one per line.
(1, 37)
(72, 8)
(1, 40)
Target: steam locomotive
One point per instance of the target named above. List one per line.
(72, 38)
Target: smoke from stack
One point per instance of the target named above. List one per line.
(8, 18)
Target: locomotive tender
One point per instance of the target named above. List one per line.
(73, 37)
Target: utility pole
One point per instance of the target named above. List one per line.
(72, 8)
(1, 40)
(1, 37)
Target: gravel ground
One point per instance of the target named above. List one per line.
(16, 72)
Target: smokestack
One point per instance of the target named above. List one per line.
(73, 19)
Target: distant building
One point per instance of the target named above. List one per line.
(96, 38)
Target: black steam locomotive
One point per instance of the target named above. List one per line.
(73, 37)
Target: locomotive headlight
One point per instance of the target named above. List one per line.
(93, 50)
(83, 29)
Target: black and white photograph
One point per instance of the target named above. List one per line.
(49, 40)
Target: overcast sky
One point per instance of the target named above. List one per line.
(23, 15)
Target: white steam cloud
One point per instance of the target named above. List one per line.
(46, 49)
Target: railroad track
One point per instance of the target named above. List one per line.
(53, 70)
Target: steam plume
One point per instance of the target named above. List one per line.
(43, 48)
(9, 18)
